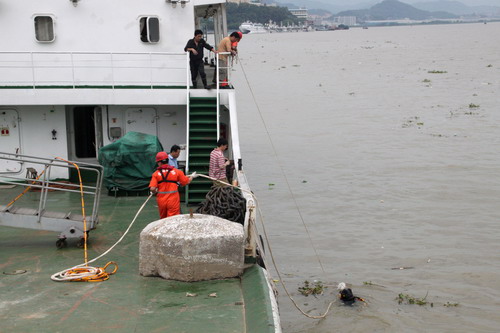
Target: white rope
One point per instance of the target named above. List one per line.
(64, 275)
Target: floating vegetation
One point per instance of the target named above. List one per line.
(312, 289)
(470, 113)
(296, 65)
(473, 106)
(369, 283)
(412, 121)
(426, 81)
(408, 299)
(449, 305)
(437, 72)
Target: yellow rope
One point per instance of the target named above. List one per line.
(84, 273)
(83, 207)
(25, 190)
(88, 273)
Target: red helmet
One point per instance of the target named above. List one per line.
(161, 156)
(240, 34)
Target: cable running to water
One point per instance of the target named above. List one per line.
(281, 168)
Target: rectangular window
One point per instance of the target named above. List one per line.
(150, 29)
(44, 28)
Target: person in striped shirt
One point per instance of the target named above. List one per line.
(218, 162)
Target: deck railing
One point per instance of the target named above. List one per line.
(43, 181)
(94, 69)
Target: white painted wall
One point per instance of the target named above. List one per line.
(171, 123)
(36, 124)
(94, 25)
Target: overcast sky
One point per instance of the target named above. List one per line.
(465, 2)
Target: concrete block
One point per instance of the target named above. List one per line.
(184, 248)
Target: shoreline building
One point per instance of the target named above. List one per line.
(346, 20)
(300, 13)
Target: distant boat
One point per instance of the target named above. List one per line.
(252, 28)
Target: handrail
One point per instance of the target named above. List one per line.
(188, 72)
(45, 183)
(218, 82)
(83, 68)
(217, 85)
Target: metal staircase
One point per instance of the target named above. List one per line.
(203, 125)
(69, 221)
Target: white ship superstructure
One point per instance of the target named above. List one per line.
(76, 75)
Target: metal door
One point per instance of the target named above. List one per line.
(143, 120)
(10, 139)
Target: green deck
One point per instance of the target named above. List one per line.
(127, 302)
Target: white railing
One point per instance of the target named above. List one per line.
(226, 80)
(94, 69)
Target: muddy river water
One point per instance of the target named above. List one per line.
(372, 150)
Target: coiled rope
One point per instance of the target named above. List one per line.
(84, 272)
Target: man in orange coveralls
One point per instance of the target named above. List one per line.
(165, 182)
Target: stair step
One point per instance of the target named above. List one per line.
(203, 129)
(200, 181)
(202, 121)
(199, 163)
(203, 105)
(204, 138)
(200, 99)
(207, 112)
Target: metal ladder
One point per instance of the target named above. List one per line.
(69, 224)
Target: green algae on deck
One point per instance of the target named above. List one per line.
(127, 302)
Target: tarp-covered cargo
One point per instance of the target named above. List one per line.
(130, 161)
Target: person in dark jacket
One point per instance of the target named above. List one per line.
(195, 48)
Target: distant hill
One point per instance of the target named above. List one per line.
(324, 4)
(454, 7)
(237, 14)
(394, 10)
(319, 12)
(457, 8)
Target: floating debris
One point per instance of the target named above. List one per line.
(408, 299)
(448, 304)
(412, 121)
(369, 283)
(212, 295)
(437, 72)
(16, 272)
(191, 295)
(308, 289)
(473, 106)
(401, 268)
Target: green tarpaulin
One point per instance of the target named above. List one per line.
(130, 161)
